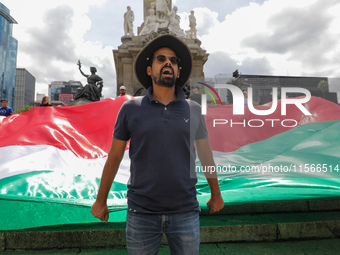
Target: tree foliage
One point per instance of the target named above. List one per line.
(24, 109)
(323, 86)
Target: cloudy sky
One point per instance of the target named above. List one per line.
(270, 37)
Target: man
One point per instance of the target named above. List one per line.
(5, 110)
(122, 91)
(162, 127)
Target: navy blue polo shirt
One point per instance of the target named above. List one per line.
(162, 152)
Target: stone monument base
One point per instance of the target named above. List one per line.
(126, 53)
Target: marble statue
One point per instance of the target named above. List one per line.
(192, 25)
(163, 20)
(161, 9)
(150, 25)
(129, 17)
(174, 23)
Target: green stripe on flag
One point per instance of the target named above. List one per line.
(48, 198)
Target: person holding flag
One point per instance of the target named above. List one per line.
(5, 110)
(163, 128)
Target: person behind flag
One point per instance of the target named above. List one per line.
(122, 91)
(45, 101)
(5, 110)
(162, 128)
(196, 96)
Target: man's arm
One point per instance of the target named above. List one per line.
(99, 208)
(205, 155)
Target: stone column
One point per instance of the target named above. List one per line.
(148, 5)
(124, 58)
(199, 56)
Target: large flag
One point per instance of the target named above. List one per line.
(52, 159)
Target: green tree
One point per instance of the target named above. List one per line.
(24, 109)
(323, 86)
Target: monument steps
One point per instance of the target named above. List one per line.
(262, 222)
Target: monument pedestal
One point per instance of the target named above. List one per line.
(126, 53)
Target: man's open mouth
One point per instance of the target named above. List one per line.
(167, 72)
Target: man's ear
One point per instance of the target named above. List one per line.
(178, 73)
(148, 70)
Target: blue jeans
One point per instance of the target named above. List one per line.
(144, 232)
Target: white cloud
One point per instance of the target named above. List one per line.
(51, 40)
(296, 37)
(252, 36)
(206, 20)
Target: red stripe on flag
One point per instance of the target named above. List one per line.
(234, 134)
(85, 130)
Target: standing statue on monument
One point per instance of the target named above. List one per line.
(150, 25)
(162, 9)
(192, 25)
(129, 17)
(174, 23)
(93, 89)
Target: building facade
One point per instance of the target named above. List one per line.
(262, 86)
(24, 89)
(8, 56)
(63, 90)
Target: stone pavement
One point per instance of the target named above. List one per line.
(307, 247)
(303, 227)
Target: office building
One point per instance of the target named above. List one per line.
(24, 89)
(63, 90)
(262, 86)
(8, 56)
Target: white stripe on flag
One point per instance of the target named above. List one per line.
(24, 159)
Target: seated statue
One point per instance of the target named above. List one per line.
(93, 89)
(150, 24)
(174, 23)
(162, 19)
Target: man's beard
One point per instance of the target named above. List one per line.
(165, 82)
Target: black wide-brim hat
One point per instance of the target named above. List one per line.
(169, 41)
